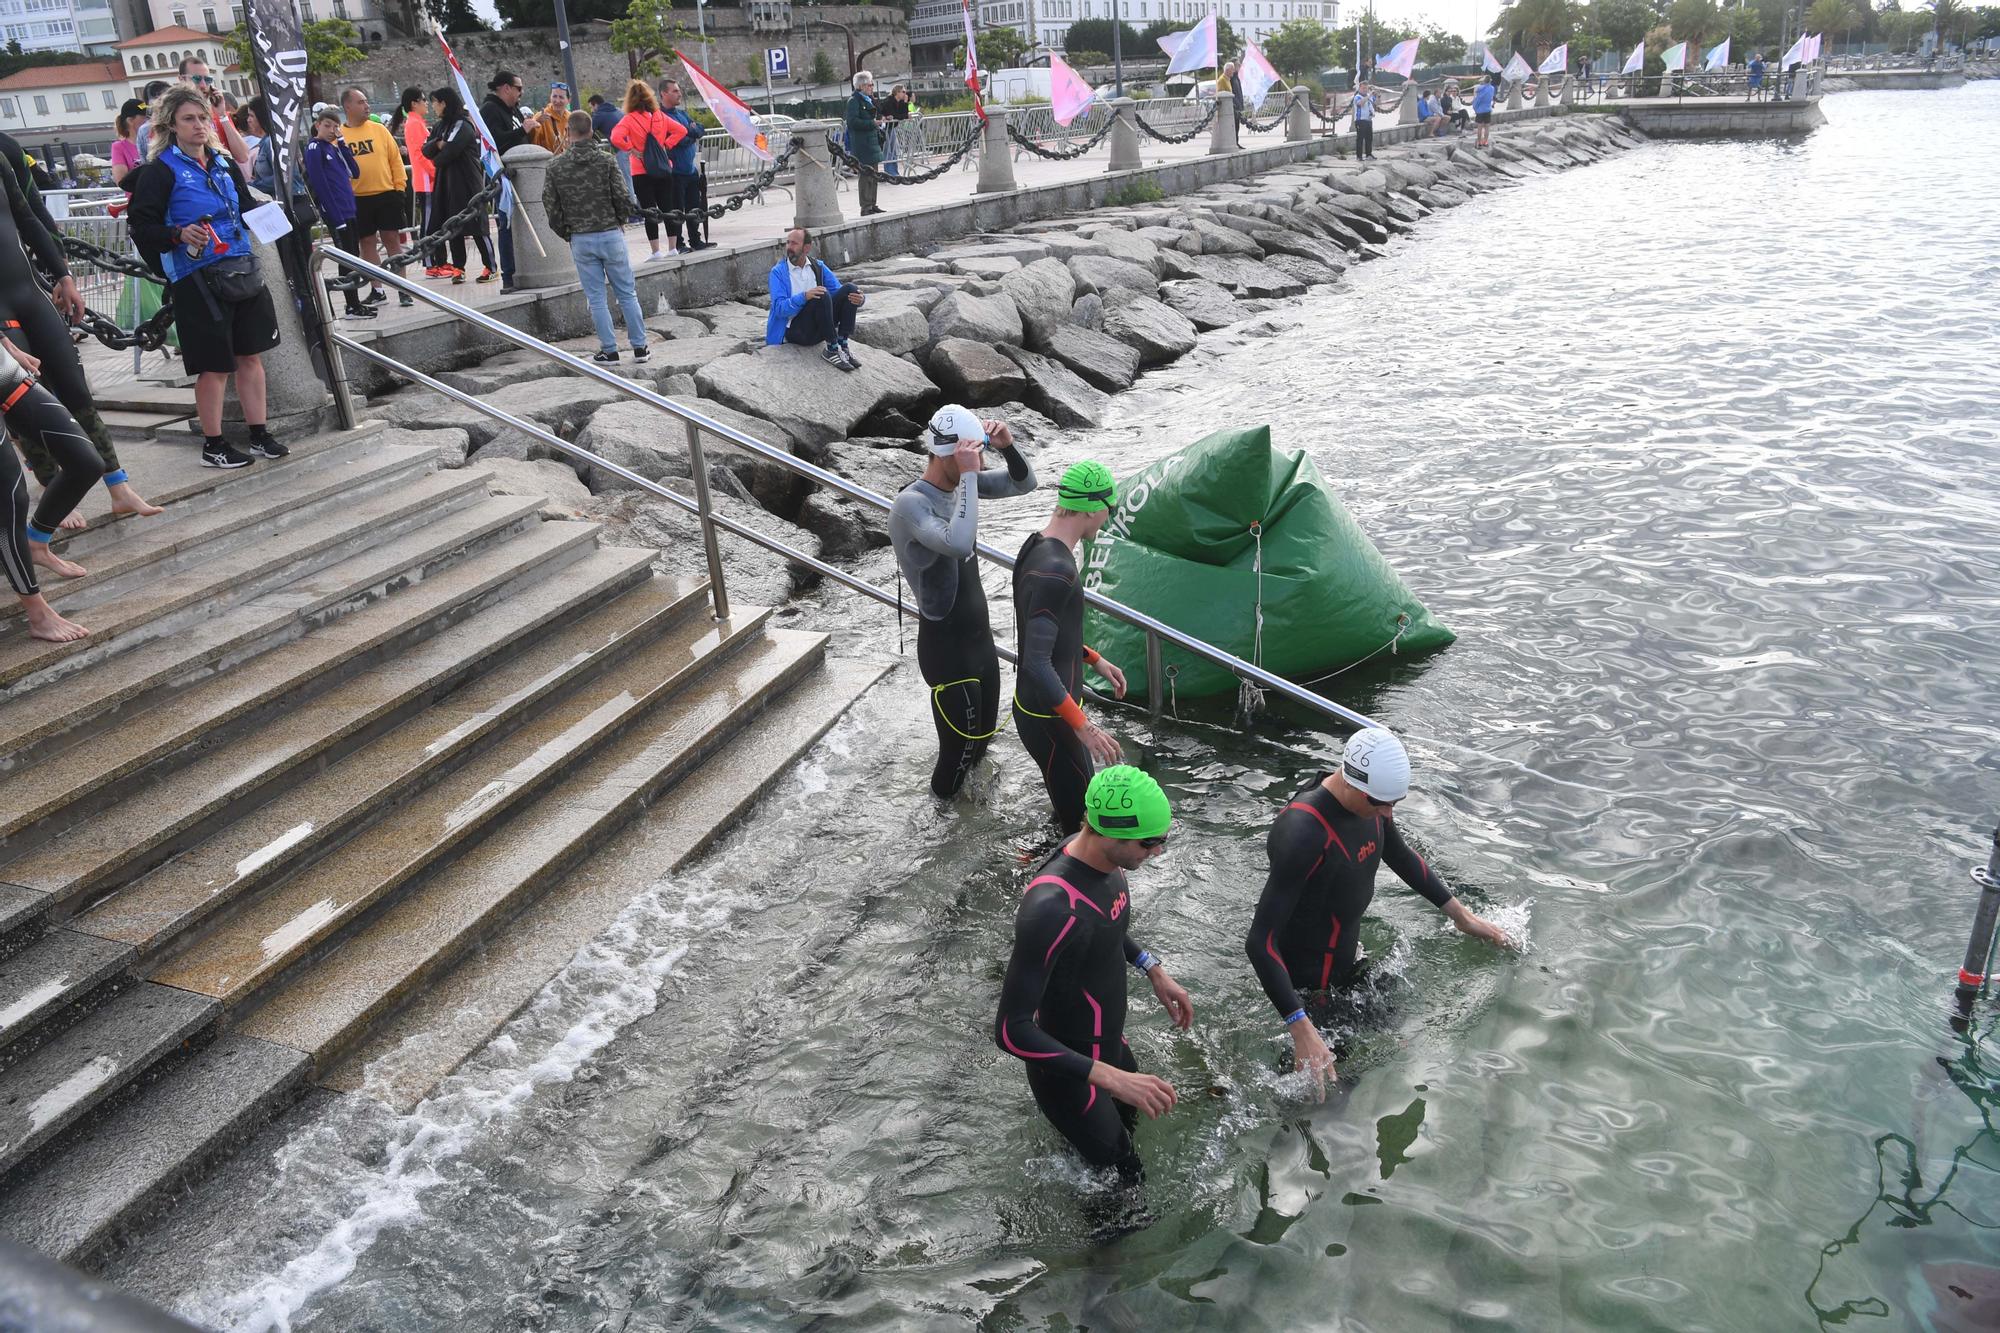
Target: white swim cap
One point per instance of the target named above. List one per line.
(1376, 762)
(952, 423)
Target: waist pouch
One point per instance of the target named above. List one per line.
(234, 279)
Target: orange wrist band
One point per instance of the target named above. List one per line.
(1070, 713)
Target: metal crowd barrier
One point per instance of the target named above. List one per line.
(339, 343)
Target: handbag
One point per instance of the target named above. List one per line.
(233, 279)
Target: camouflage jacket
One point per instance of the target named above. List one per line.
(584, 192)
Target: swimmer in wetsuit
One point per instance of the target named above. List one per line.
(1064, 992)
(933, 526)
(1325, 848)
(1048, 612)
(33, 414)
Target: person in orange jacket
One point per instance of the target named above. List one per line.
(648, 136)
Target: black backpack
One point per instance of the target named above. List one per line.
(654, 156)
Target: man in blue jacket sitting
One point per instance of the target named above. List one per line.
(808, 304)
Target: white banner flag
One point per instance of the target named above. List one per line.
(1795, 54)
(1257, 76)
(1717, 57)
(1402, 59)
(1556, 62)
(1518, 69)
(1675, 57)
(1637, 60)
(1492, 65)
(1196, 49)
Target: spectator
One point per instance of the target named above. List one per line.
(252, 137)
(808, 304)
(686, 159)
(126, 153)
(1362, 105)
(194, 70)
(551, 122)
(378, 191)
(1792, 76)
(1482, 107)
(508, 126)
(586, 202)
(1228, 81)
(604, 118)
(1453, 113)
(895, 112)
(187, 216)
(1429, 117)
(864, 139)
(31, 414)
(648, 139)
(331, 170)
(453, 148)
(1756, 85)
(412, 127)
(264, 166)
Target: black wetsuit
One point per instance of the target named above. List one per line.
(34, 326)
(1062, 1005)
(1048, 612)
(1306, 934)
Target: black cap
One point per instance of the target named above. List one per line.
(133, 107)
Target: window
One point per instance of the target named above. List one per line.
(41, 105)
(340, 9)
(110, 100)
(208, 18)
(236, 15)
(180, 18)
(76, 101)
(7, 107)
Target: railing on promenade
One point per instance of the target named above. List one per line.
(1774, 85)
(694, 423)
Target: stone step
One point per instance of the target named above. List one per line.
(39, 803)
(30, 731)
(328, 1006)
(117, 554)
(457, 1013)
(48, 1091)
(116, 1167)
(49, 975)
(260, 847)
(213, 580)
(263, 939)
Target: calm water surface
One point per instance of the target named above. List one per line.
(1696, 450)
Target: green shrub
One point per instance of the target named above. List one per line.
(1142, 190)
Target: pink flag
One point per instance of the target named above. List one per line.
(729, 113)
(1402, 59)
(1257, 74)
(1196, 49)
(972, 62)
(1069, 95)
(1492, 65)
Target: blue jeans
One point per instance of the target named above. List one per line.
(625, 174)
(600, 258)
(506, 245)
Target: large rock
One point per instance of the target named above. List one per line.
(1062, 245)
(1024, 249)
(1214, 238)
(1277, 242)
(561, 494)
(753, 575)
(733, 319)
(562, 404)
(1309, 271)
(684, 356)
(1101, 360)
(896, 322)
(1125, 245)
(1158, 333)
(1206, 305)
(1088, 311)
(987, 319)
(1055, 391)
(645, 440)
(809, 400)
(882, 468)
(671, 325)
(1042, 293)
(1245, 277)
(507, 368)
(975, 372)
(990, 267)
(1097, 273)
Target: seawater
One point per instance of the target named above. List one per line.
(1696, 449)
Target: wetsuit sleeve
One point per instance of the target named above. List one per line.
(1411, 868)
(953, 536)
(1041, 929)
(1019, 478)
(1040, 685)
(1295, 853)
(34, 233)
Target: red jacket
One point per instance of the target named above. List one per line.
(631, 134)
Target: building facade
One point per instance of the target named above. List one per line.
(60, 110)
(89, 26)
(369, 17)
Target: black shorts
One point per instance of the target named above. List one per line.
(211, 345)
(379, 212)
(1484, 118)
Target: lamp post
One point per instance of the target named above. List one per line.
(568, 55)
(1117, 49)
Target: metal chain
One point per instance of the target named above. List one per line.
(1250, 123)
(1200, 125)
(149, 336)
(1061, 154)
(840, 153)
(714, 212)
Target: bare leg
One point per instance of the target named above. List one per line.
(39, 552)
(208, 388)
(44, 623)
(250, 388)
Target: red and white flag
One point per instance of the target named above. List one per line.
(1257, 75)
(972, 63)
(1402, 59)
(729, 111)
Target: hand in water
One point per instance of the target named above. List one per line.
(1173, 997)
(1471, 923)
(1150, 1093)
(1102, 745)
(1310, 1054)
(1108, 669)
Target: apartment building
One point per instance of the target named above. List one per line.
(57, 110)
(89, 26)
(369, 17)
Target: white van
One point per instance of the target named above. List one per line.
(1004, 86)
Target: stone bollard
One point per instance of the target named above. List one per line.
(541, 258)
(1566, 93)
(1406, 110)
(1222, 134)
(1124, 138)
(1513, 97)
(1298, 128)
(996, 156)
(1542, 91)
(294, 395)
(816, 206)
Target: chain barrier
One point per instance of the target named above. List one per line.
(150, 335)
(858, 167)
(761, 182)
(1199, 126)
(1061, 154)
(1250, 123)
(1322, 117)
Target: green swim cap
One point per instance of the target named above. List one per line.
(1086, 488)
(1125, 802)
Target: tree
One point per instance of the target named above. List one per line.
(1435, 46)
(456, 16)
(331, 46)
(1945, 16)
(542, 13)
(646, 33)
(1621, 23)
(1833, 16)
(1374, 39)
(822, 70)
(1535, 25)
(999, 48)
(1095, 35)
(1301, 48)
(1694, 22)
(1087, 59)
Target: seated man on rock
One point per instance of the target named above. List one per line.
(808, 304)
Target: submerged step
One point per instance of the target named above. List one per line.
(330, 1004)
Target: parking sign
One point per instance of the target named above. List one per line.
(778, 61)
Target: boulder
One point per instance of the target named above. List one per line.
(881, 467)
(1244, 277)
(1088, 311)
(1309, 271)
(1128, 246)
(671, 325)
(1324, 253)
(1101, 360)
(508, 368)
(1063, 245)
(898, 264)
(1216, 238)
(809, 400)
(1206, 305)
(845, 527)
(734, 319)
(975, 372)
(754, 576)
(684, 356)
(1056, 391)
(562, 495)
(989, 267)
(1043, 293)
(1159, 333)
(987, 319)
(562, 404)
(1095, 273)
(895, 321)
(1022, 249)
(641, 438)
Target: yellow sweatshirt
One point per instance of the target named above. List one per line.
(380, 160)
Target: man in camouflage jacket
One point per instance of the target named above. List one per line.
(585, 199)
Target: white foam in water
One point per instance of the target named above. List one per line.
(1516, 918)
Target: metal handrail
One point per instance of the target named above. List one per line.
(1157, 632)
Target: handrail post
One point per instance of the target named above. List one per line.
(1155, 688)
(698, 463)
(336, 367)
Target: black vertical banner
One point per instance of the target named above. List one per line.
(278, 38)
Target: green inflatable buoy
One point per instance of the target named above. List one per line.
(1198, 538)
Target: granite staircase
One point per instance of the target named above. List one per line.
(357, 754)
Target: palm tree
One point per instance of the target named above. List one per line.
(1945, 19)
(1834, 16)
(1536, 25)
(1694, 22)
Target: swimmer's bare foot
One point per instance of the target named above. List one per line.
(44, 623)
(125, 500)
(74, 522)
(40, 553)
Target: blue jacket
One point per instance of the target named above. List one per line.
(1482, 98)
(605, 119)
(332, 171)
(784, 305)
(682, 154)
(177, 191)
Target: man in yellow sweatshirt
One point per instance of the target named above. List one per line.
(378, 192)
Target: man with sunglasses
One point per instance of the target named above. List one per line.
(194, 70)
(1064, 992)
(1325, 847)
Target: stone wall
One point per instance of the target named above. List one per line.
(1724, 118)
(532, 53)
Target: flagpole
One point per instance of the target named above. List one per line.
(1117, 49)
